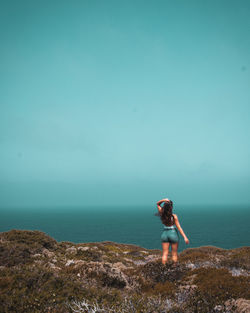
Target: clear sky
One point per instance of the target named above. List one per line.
(124, 102)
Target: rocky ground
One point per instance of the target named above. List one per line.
(39, 274)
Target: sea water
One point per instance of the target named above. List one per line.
(224, 227)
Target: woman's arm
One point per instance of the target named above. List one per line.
(163, 200)
(180, 229)
(159, 204)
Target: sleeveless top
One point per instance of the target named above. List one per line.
(172, 222)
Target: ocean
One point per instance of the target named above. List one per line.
(218, 226)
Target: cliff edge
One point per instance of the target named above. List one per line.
(39, 274)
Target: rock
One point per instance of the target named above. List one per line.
(52, 265)
(219, 308)
(120, 265)
(37, 255)
(109, 274)
(239, 272)
(190, 265)
(48, 253)
(69, 262)
(79, 263)
(151, 257)
(239, 306)
(139, 262)
(83, 248)
(71, 250)
(39, 262)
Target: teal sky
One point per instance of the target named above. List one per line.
(124, 102)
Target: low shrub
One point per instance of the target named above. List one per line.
(214, 287)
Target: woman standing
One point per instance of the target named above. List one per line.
(170, 235)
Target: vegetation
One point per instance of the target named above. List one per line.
(39, 274)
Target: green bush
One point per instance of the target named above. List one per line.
(215, 286)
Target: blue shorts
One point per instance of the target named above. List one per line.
(170, 235)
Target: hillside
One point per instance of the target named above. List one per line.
(39, 274)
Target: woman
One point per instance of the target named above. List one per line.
(170, 234)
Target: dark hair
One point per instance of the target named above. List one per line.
(167, 213)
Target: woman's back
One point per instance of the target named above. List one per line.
(170, 222)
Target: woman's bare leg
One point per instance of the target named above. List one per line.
(175, 252)
(165, 249)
